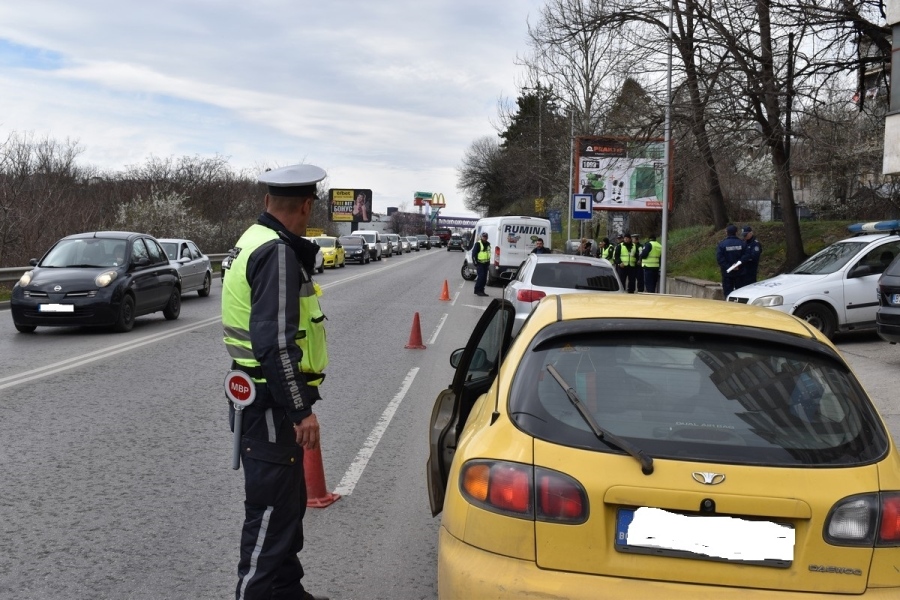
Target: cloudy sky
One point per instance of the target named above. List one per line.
(385, 95)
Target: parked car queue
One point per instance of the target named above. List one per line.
(110, 278)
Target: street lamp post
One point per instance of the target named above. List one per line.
(667, 157)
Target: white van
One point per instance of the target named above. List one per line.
(512, 240)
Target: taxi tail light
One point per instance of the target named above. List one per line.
(529, 295)
(509, 488)
(559, 497)
(865, 520)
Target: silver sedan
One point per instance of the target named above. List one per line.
(193, 266)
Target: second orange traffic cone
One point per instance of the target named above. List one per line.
(445, 293)
(415, 335)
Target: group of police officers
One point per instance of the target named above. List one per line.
(637, 265)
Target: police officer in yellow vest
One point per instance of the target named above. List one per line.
(274, 332)
(626, 257)
(651, 256)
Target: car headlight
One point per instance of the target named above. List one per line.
(768, 301)
(26, 278)
(105, 278)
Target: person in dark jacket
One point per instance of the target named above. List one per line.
(274, 333)
(750, 259)
(481, 257)
(539, 247)
(626, 258)
(728, 254)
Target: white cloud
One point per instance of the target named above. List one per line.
(384, 95)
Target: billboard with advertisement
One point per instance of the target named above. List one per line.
(619, 173)
(350, 205)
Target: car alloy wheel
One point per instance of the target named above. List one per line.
(207, 284)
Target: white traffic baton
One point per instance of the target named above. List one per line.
(241, 390)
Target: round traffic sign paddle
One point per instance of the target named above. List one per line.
(241, 390)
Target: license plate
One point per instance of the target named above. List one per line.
(717, 538)
(895, 299)
(67, 308)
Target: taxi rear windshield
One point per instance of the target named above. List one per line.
(699, 397)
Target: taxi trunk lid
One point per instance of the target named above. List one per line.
(746, 500)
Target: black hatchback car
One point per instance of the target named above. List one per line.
(455, 243)
(102, 278)
(355, 248)
(887, 318)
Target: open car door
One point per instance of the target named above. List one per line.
(476, 367)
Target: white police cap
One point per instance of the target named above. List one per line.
(295, 180)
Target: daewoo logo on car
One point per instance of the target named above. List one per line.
(833, 569)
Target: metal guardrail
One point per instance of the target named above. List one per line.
(12, 274)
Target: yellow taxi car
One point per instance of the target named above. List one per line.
(660, 447)
(332, 251)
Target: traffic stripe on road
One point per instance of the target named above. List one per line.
(356, 468)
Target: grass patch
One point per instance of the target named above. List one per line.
(692, 251)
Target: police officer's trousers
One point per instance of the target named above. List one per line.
(274, 505)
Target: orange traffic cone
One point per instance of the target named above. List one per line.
(415, 335)
(317, 495)
(445, 293)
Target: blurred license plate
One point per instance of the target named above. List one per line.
(719, 538)
(895, 299)
(56, 308)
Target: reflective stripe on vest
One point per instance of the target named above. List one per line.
(236, 311)
(654, 255)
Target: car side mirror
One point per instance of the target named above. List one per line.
(142, 262)
(509, 275)
(455, 357)
(860, 271)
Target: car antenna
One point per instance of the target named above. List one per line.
(496, 414)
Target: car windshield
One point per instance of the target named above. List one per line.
(351, 241)
(830, 259)
(86, 252)
(575, 276)
(698, 396)
(324, 242)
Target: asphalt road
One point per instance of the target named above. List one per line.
(117, 479)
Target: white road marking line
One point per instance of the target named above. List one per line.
(356, 468)
(83, 359)
(438, 330)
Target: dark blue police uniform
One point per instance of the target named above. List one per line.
(729, 251)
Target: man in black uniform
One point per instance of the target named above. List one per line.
(273, 332)
(728, 254)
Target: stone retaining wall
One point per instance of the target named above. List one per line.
(696, 288)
